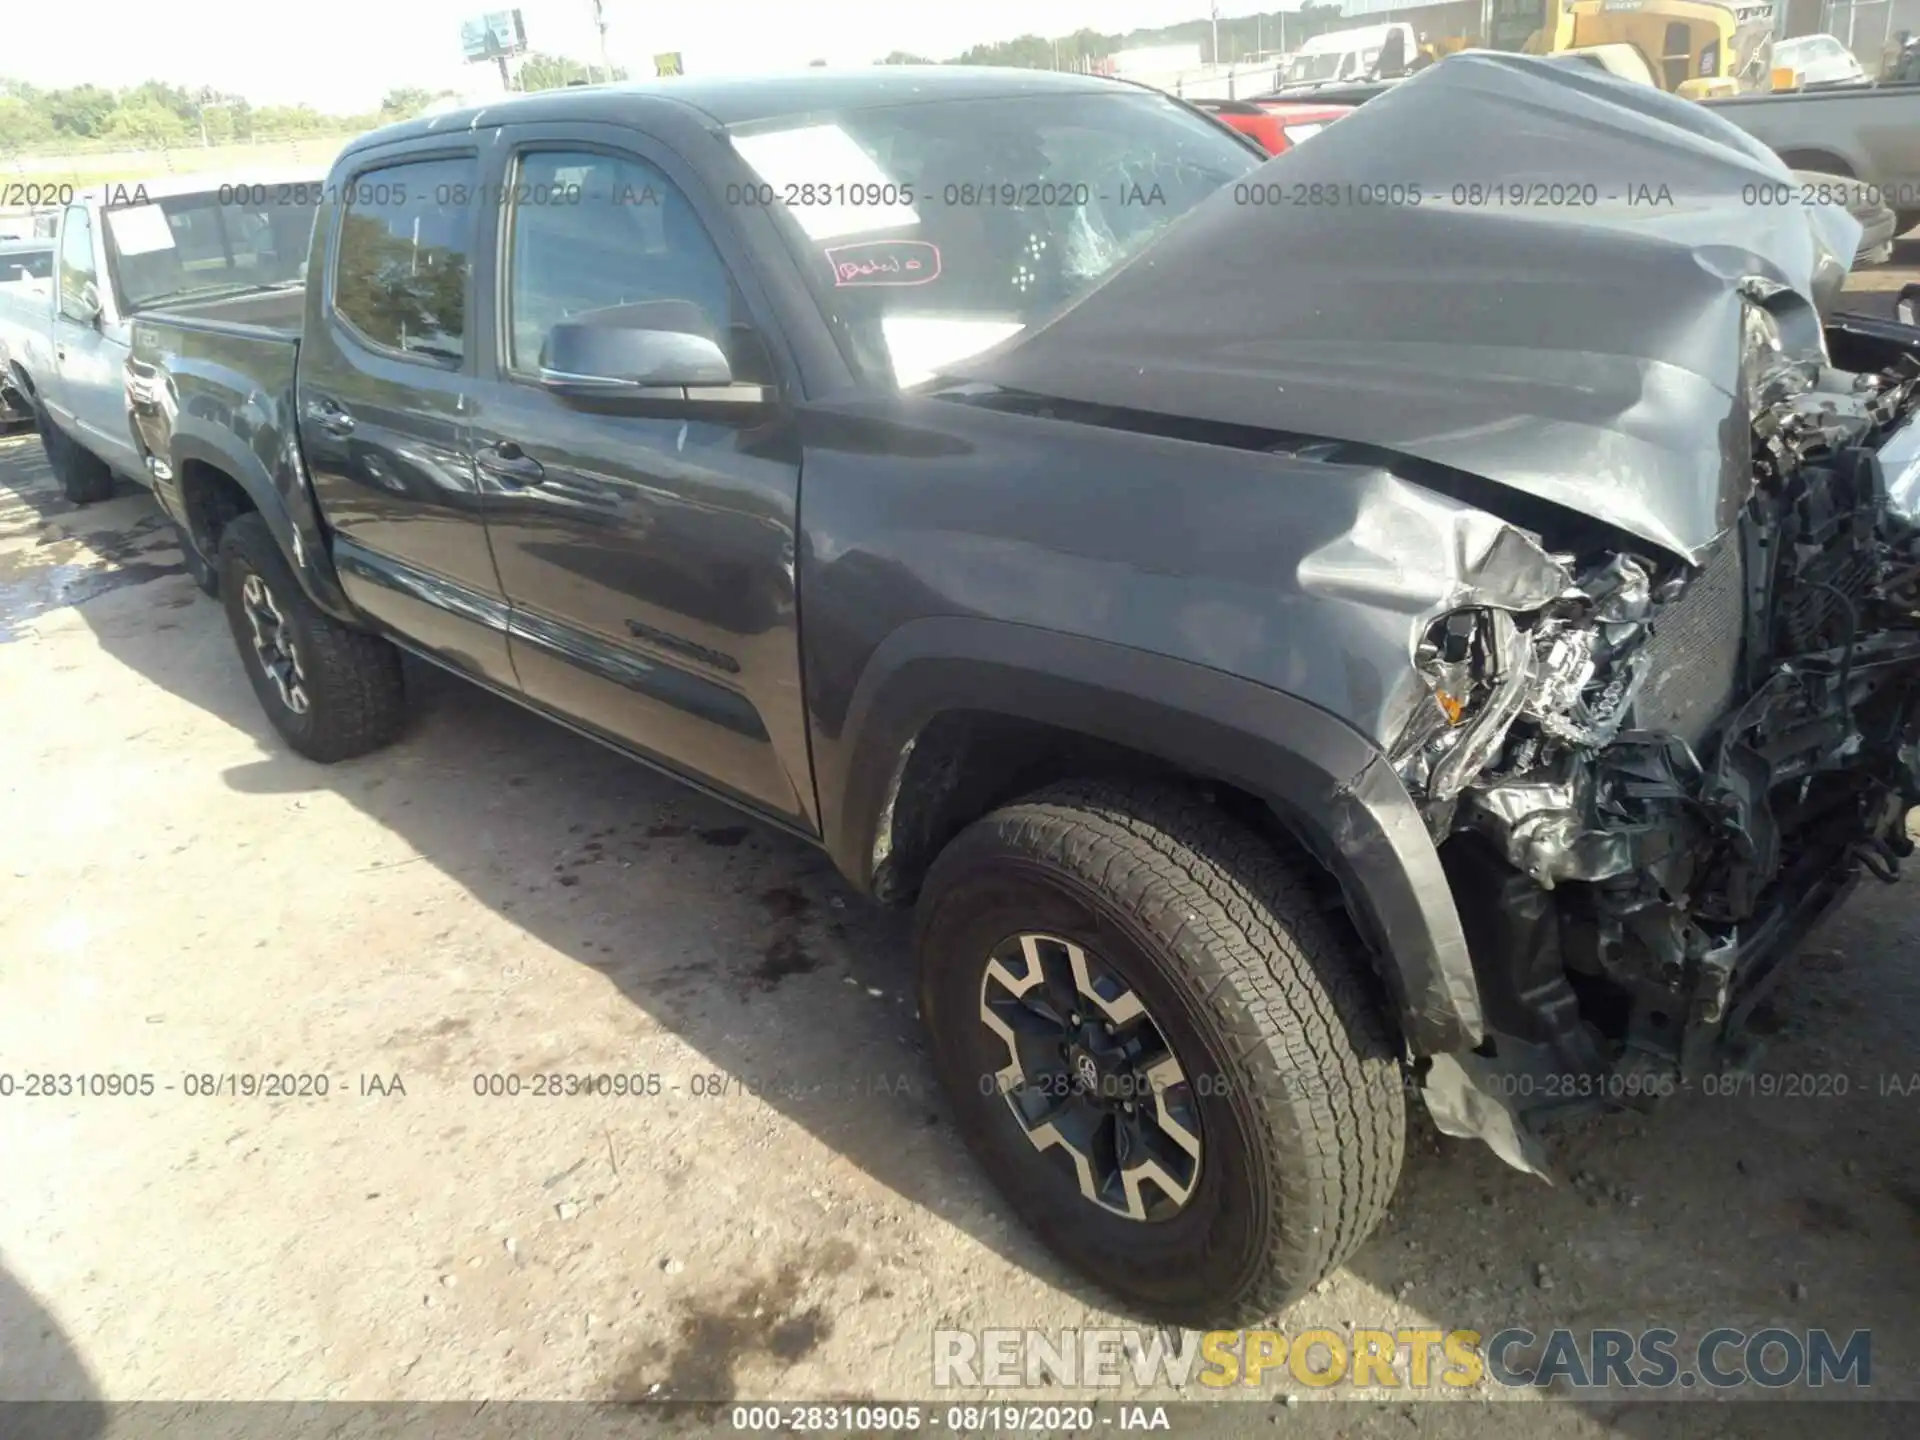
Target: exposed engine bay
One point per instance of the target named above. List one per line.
(1646, 790)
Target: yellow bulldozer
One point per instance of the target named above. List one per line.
(1701, 49)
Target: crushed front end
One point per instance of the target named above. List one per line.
(1646, 791)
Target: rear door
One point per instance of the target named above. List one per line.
(385, 366)
(648, 553)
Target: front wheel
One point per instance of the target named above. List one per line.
(331, 691)
(83, 476)
(1160, 1048)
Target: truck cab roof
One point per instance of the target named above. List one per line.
(745, 99)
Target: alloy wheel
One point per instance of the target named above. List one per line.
(273, 644)
(1090, 1076)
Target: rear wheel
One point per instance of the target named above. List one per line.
(83, 476)
(1160, 1048)
(331, 691)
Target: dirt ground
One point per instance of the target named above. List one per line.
(788, 1216)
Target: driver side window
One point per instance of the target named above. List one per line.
(76, 263)
(593, 232)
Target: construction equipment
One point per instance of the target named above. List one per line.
(1698, 48)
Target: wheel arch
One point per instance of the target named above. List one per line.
(978, 700)
(212, 471)
(1824, 162)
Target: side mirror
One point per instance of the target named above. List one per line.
(615, 361)
(86, 305)
(1907, 308)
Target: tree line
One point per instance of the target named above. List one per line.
(50, 119)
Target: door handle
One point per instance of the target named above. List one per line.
(330, 416)
(509, 464)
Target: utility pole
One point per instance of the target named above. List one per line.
(1216, 33)
(600, 24)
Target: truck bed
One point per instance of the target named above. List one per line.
(225, 367)
(278, 313)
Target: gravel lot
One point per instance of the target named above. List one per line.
(789, 1216)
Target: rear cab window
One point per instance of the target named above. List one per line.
(228, 240)
(402, 257)
(24, 266)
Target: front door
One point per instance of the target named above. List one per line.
(648, 557)
(89, 394)
(383, 378)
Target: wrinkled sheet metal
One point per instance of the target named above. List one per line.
(1464, 1097)
(1585, 353)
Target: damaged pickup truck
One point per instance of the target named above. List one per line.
(1435, 614)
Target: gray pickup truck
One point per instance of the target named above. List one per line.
(1287, 686)
(121, 251)
(1868, 132)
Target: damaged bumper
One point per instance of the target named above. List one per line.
(1648, 790)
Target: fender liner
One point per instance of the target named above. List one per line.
(1324, 780)
(284, 502)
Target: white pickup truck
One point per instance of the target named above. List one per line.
(128, 249)
(26, 276)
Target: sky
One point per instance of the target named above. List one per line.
(343, 55)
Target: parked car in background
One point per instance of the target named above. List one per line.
(1345, 56)
(1289, 675)
(1275, 125)
(1819, 60)
(124, 250)
(26, 268)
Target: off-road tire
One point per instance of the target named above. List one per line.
(356, 699)
(83, 476)
(1255, 985)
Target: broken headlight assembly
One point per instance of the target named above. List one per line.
(1570, 669)
(1476, 664)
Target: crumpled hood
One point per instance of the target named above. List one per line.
(1590, 354)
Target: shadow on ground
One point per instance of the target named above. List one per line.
(46, 1390)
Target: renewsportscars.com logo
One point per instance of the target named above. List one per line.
(1512, 1358)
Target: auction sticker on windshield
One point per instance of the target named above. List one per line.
(140, 229)
(824, 161)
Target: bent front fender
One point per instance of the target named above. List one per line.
(1321, 777)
